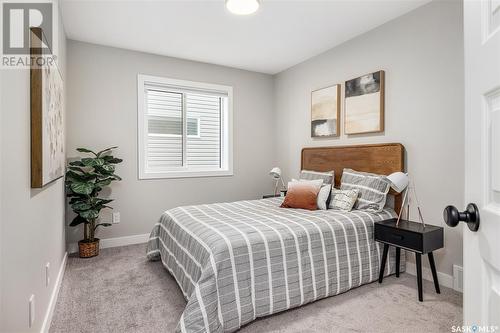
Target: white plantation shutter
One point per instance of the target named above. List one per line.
(204, 150)
(164, 119)
(184, 130)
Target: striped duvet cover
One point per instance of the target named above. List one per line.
(238, 261)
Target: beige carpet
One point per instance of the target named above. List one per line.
(120, 291)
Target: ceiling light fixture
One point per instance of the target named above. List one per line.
(242, 7)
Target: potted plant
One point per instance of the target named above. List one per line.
(85, 179)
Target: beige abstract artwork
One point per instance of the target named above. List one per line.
(325, 112)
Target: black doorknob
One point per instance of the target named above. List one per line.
(452, 216)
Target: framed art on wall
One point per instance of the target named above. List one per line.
(325, 112)
(47, 123)
(364, 104)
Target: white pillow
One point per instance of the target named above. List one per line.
(343, 200)
(323, 194)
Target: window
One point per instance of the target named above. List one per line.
(185, 128)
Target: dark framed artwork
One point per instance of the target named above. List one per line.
(325, 112)
(47, 112)
(364, 104)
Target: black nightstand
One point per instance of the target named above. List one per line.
(414, 237)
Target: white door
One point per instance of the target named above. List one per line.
(482, 162)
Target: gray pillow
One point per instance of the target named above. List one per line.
(327, 177)
(372, 189)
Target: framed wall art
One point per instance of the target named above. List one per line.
(325, 112)
(364, 104)
(47, 112)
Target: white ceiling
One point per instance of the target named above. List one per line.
(280, 35)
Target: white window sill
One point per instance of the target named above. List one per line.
(185, 174)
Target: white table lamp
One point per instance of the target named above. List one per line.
(276, 174)
(400, 182)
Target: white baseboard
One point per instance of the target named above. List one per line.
(114, 242)
(445, 280)
(53, 297)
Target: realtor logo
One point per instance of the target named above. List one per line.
(18, 18)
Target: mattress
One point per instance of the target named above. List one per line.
(238, 261)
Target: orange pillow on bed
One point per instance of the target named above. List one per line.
(302, 194)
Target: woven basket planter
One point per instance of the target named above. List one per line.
(88, 249)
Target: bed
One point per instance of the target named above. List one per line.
(235, 262)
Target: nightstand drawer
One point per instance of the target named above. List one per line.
(398, 237)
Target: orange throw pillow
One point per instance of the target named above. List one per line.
(302, 194)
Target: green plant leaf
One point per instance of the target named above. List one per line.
(93, 162)
(80, 206)
(104, 201)
(115, 160)
(75, 199)
(96, 191)
(76, 168)
(111, 159)
(85, 150)
(106, 168)
(89, 214)
(88, 161)
(73, 176)
(104, 182)
(82, 188)
(82, 170)
(76, 163)
(99, 161)
(106, 150)
(77, 220)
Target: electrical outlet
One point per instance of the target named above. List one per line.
(47, 274)
(31, 311)
(116, 217)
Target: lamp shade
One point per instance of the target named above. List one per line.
(399, 181)
(242, 7)
(275, 173)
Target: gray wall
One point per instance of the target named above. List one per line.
(102, 111)
(422, 55)
(32, 221)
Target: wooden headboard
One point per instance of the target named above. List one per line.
(382, 159)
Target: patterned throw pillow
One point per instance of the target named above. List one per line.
(302, 194)
(372, 189)
(312, 175)
(343, 200)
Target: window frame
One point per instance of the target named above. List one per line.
(142, 130)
